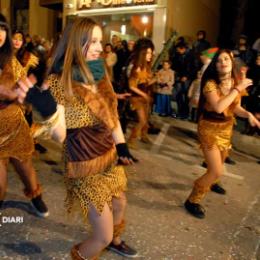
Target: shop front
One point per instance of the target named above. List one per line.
(128, 19)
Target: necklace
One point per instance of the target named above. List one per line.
(226, 85)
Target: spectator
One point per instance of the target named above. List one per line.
(165, 81)
(183, 65)
(111, 59)
(194, 95)
(198, 46)
(243, 51)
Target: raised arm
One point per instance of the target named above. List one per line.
(219, 104)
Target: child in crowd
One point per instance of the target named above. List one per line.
(165, 81)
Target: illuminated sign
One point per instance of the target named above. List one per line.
(87, 4)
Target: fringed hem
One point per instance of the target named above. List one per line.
(91, 167)
(222, 148)
(215, 135)
(96, 190)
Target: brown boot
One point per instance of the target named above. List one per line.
(119, 229)
(75, 255)
(192, 203)
(198, 193)
(122, 248)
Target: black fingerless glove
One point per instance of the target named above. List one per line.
(42, 101)
(122, 151)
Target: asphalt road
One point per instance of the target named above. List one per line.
(158, 225)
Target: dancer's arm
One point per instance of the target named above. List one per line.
(219, 104)
(241, 112)
(125, 157)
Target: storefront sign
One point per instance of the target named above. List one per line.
(87, 4)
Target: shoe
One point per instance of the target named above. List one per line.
(195, 209)
(40, 148)
(40, 207)
(123, 249)
(230, 161)
(204, 164)
(218, 189)
(162, 115)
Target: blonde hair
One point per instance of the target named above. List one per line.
(71, 51)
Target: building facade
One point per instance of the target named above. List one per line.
(156, 19)
(130, 19)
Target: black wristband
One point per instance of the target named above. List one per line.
(42, 101)
(122, 151)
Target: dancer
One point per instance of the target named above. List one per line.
(219, 103)
(94, 180)
(30, 62)
(16, 142)
(140, 82)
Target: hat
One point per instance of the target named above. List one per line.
(210, 53)
(143, 43)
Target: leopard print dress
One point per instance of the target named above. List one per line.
(98, 189)
(15, 136)
(217, 134)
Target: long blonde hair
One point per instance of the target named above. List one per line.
(70, 51)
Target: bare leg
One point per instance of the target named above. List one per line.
(119, 206)
(142, 121)
(224, 155)
(215, 163)
(102, 226)
(145, 127)
(26, 173)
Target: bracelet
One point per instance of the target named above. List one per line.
(237, 90)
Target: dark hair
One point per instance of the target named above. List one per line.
(167, 61)
(181, 45)
(143, 43)
(2, 18)
(124, 44)
(138, 56)
(20, 53)
(211, 73)
(202, 32)
(111, 46)
(6, 51)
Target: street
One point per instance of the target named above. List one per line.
(157, 224)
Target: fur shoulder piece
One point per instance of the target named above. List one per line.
(29, 61)
(103, 103)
